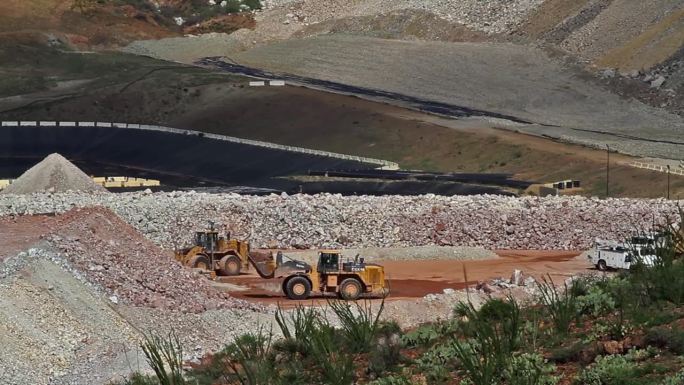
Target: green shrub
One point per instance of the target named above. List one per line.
(252, 4)
(299, 324)
(497, 316)
(530, 369)
(568, 353)
(595, 301)
(248, 359)
(426, 335)
(662, 337)
(359, 327)
(638, 355)
(438, 362)
(658, 336)
(337, 366)
(396, 379)
(562, 307)
(655, 314)
(675, 379)
(610, 370)
(386, 352)
(664, 280)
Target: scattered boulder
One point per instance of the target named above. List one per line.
(517, 278)
(658, 81)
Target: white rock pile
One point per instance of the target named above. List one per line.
(325, 220)
(53, 174)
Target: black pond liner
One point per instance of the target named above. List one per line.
(181, 158)
(194, 161)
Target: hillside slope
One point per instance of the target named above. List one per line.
(569, 67)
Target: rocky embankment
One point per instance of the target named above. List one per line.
(325, 220)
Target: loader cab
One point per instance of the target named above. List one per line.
(329, 261)
(207, 239)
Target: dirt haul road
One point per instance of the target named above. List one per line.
(410, 279)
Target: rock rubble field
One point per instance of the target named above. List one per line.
(126, 267)
(325, 220)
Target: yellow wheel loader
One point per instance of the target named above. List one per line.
(349, 279)
(222, 255)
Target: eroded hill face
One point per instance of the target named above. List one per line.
(99, 24)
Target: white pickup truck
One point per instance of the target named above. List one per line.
(621, 256)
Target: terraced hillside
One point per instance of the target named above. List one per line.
(594, 72)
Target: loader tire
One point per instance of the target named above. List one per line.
(199, 261)
(350, 289)
(230, 265)
(601, 265)
(298, 288)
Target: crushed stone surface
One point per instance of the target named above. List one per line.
(327, 220)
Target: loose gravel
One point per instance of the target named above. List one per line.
(325, 220)
(57, 327)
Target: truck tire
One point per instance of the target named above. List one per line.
(199, 261)
(350, 289)
(230, 265)
(601, 265)
(298, 288)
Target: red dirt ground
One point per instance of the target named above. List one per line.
(415, 279)
(20, 233)
(408, 279)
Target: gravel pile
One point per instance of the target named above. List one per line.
(54, 174)
(58, 328)
(132, 270)
(325, 220)
(54, 325)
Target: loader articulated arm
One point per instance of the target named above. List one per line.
(259, 267)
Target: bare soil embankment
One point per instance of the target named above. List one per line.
(413, 279)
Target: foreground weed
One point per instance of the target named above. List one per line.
(299, 324)
(165, 357)
(493, 334)
(248, 359)
(561, 306)
(359, 323)
(337, 366)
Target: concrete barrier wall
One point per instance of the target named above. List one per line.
(383, 164)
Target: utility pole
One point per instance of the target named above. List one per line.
(668, 181)
(607, 170)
